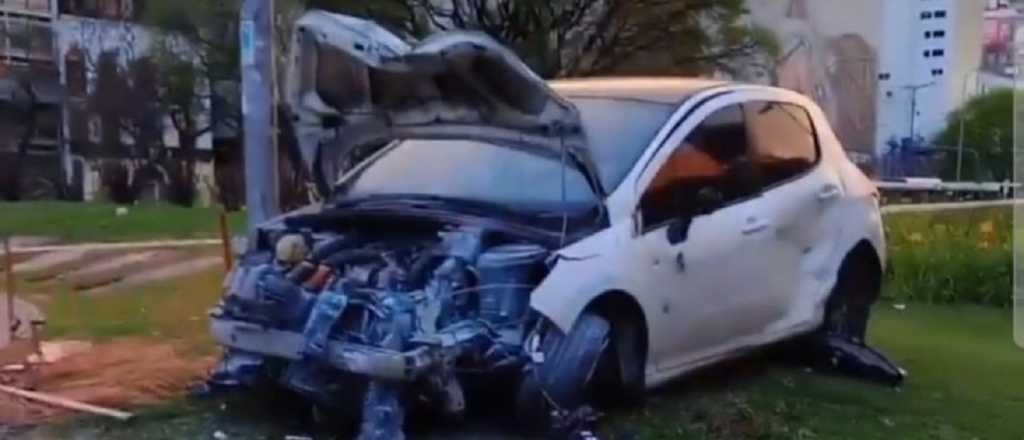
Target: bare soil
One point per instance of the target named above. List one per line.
(121, 374)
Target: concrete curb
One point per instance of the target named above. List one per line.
(932, 207)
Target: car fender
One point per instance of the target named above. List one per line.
(584, 271)
(864, 223)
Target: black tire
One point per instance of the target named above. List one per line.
(620, 381)
(562, 379)
(848, 309)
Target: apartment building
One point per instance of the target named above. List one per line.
(30, 97)
(885, 71)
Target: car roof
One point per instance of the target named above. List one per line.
(655, 89)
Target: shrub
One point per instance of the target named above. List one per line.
(116, 183)
(951, 256)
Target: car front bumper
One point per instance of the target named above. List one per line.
(360, 359)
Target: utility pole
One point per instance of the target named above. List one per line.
(913, 105)
(258, 106)
(963, 117)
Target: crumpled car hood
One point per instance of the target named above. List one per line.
(353, 83)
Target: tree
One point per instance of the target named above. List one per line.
(588, 37)
(25, 100)
(988, 138)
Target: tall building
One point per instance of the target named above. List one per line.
(30, 97)
(883, 70)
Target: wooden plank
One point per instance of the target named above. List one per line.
(7, 302)
(62, 402)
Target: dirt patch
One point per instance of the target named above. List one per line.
(121, 374)
(166, 272)
(121, 267)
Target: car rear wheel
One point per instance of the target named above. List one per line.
(560, 380)
(858, 286)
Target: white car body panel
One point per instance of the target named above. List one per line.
(352, 83)
(693, 328)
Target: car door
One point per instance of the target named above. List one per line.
(703, 241)
(798, 192)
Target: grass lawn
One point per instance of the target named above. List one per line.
(965, 383)
(78, 222)
(966, 375)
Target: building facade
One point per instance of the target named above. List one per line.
(95, 91)
(30, 100)
(886, 71)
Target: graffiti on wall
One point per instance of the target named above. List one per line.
(840, 72)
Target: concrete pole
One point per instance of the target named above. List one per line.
(963, 116)
(913, 105)
(257, 57)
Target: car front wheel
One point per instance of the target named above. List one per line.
(558, 379)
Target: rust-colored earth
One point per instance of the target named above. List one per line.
(122, 374)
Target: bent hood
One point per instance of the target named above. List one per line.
(352, 83)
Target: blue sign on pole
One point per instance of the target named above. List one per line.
(246, 37)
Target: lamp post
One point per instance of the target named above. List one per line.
(913, 104)
(258, 107)
(963, 119)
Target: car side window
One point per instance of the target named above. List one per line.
(783, 141)
(709, 169)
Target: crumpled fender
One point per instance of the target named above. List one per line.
(583, 271)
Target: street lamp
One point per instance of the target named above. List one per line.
(963, 118)
(913, 104)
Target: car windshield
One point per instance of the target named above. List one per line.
(617, 131)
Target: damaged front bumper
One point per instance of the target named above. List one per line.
(373, 362)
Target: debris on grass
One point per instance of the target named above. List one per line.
(120, 374)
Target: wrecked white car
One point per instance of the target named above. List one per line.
(561, 242)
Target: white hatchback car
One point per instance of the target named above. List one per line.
(577, 235)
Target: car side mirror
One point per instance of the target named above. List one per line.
(709, 199)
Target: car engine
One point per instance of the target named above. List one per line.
(368, 318)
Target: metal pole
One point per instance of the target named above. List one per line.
(257, 59)
(963, 117)
(913, 105)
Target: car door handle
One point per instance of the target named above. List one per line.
(829, 192)
(755, 225)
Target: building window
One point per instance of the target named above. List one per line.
(938, 72)
(940, 14)
(884, 76)
(927, 34)
(926, 15)
(939, 34)
(938, 52)
(927, 54)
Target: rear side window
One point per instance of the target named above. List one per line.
(783, 142)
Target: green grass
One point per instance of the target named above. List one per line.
(951, 256)
(174, 309)
(965, 383)
(78, 222)
(966, 376)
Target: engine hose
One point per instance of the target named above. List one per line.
(331, 247)
(338, 260)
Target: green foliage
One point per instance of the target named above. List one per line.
(964, 383)
(77, 222)
(583, 37)
(988, 132)
(951, 256)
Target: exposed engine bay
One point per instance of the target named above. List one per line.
(369, 316)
